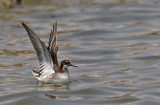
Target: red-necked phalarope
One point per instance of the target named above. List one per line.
(50, 71)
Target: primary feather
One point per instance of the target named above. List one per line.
(52, 46)
(44, 57)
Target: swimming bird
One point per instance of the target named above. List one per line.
(49, 69)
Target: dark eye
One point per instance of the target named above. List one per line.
(66, 62)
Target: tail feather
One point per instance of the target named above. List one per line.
(36, 73)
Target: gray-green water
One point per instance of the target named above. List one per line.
(115, 43)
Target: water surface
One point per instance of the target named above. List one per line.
(115, 44)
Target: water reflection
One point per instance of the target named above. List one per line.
(8, 52)
(51, 96)
(114, 42)
(51, 87)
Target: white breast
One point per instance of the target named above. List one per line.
(54, 78)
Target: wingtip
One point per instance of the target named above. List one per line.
(26, 27)
(23, 24)
(55, 24)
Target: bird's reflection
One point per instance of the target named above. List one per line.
(52, 87)
(50, 96)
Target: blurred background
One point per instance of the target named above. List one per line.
(115, 43)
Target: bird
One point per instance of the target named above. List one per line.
(49, 70)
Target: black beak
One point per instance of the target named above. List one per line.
(73, 65)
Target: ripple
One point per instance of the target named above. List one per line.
(114, 43)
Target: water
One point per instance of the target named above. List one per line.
(116, 45)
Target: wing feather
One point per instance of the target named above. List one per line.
(44, 57)
(52, 46)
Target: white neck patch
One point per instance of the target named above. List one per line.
(65, 66)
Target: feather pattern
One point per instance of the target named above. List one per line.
(44, 57)
(52, 46)
(50, 71)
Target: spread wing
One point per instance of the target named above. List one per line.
(52, 46)
(44, 57)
